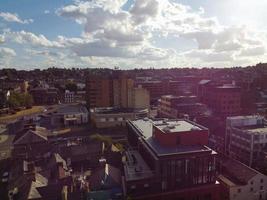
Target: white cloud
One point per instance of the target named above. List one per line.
(253, 51)
(210, 56)
(13, 17)
(24, 37)
(46, 53)
(113, 35)
(2, 39)
(143, 10)
(46, 12)
(6, 52)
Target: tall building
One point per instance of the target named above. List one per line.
(246, 139)
(169, 159)
(115, 91)
(99, 91)
(224, 100)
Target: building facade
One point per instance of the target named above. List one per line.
(169, 161)
(115, 91)
(178, 106)
(246, 139)
(112, 117)
(224, 100)
(240, 182)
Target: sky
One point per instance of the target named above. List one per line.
(132, 33)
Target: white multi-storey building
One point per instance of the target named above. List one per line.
(246, 139)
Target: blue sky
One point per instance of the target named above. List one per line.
(133, 33)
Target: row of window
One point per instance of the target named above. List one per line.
(111, 119)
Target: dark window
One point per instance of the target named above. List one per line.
(251, 189)
(239, 190)
(261, 180)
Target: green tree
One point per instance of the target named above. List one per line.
(13, 100)
(28, 100)
(16, 100)
(71, 86)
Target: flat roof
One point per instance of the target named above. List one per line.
(175, 126)
(72, 109)
(135, 167)
(114, 110)
(228, 87)
(161, 150)
(145, 129)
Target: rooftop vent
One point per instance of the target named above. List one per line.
(166, 129)
(172, 126)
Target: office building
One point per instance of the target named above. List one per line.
(112, 117)
(169, 159)
(246, 139)
(179, 106)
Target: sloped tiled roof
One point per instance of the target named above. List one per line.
(105, 178)
(32, 136)
(237, 171)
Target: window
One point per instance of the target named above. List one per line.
(261, 180)
(239, 190)
(146, 185)
(111, 119)
(251, 189)
(251, 182)
(261, 188)
(102, 119)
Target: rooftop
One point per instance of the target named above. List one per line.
(135, 167)
(72, 109)
(235, 172)
(115, 110)
(145, 129)
(228, 86)
(252, 123)
(175, 126)
(161, 150)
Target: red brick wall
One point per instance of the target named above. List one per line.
(184, 138)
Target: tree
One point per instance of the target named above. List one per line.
(71, 86)
(28, 100)
(16, 100)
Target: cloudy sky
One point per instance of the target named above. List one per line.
(132, 33)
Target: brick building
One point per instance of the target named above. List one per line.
(115, 91)
(224, 100)
(178, 106)
(169, 159)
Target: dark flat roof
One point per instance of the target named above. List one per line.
(135, 167)
(114, 110)
(72, 109)
(161, 150)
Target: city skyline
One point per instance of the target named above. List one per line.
(132, 33)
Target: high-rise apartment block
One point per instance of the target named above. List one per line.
(115, 91)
